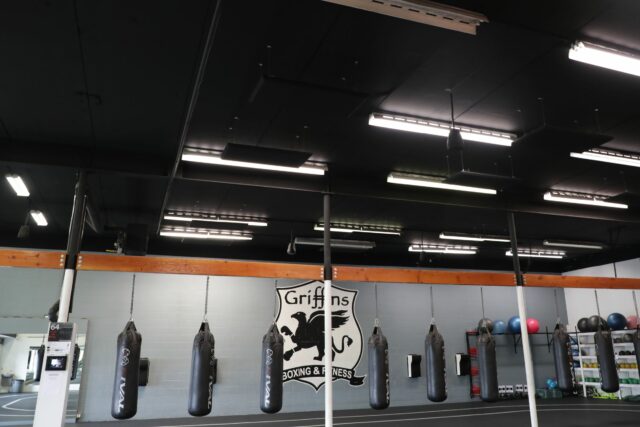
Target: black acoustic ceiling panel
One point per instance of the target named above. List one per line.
(271, 156)
(480, 179)
(559, 138)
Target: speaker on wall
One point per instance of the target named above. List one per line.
(136, 239)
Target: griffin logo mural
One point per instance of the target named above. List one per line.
(301, 322)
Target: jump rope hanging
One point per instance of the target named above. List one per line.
(435, 359)
(124, 401)
(487, 364)
(272, 366)
(203, 366)
(378, 347)
(605, 354)
(561, 345)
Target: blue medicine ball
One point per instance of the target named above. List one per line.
(617, 321)
(514, 325)
(499, 327)
(552, 384)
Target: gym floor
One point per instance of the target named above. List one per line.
(18, 409)
(551, 413)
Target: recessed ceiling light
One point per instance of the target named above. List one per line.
(18, 185)
(214, 158)
(535, 253)
(447, 235)
(437, 128)
(335, 243)
(39, 218)
(433, 182)
(444, 249)
(581, 199)
(609, 156)
(202, 233)
(605, 57)
(348, 228)
(570, 244)
(194, 216)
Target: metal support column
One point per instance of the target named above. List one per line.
(522, 312)
(328, 276)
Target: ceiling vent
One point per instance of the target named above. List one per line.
(423, 12)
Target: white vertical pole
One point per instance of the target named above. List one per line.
(65, 294)
(528, 359)
(522, 312)
(328, 362)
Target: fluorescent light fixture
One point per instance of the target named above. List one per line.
(444, 249)
(39, 218)
(436, 182)
(346, 228)
(569, 244)
(447, 235)
(581, 199)
(433, 127)
(214, 158)
(202, 233)
(538, 253)
(609, 156)
(605, 57)
(18, 185)
(423, 12)
(188, 217)
(336, 243)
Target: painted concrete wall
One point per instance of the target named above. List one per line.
(582, 302)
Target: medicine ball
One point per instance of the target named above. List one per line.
(632, 321)
(616, 321)
(594, 321)
(583, 325)
(627, 338)
(514, 325)
(499, 327)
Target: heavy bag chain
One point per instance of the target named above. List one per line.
(555, 297)
(206, 301)
(376, 322)
(275, 300)
(595, 291)
(133, 290)
(433, 315)
(482, 300)
(635, 302)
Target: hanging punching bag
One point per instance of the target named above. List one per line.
(607, 361)
(76, 361)
(124, 402)
(488, 367)
(271, 376)
(434, 356)
(202, 357)
(379, 396)
(39, 363)
(560, 340)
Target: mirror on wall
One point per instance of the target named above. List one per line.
(21, 338)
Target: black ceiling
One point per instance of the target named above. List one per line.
(104, 86)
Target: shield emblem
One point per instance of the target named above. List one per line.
(301, 322)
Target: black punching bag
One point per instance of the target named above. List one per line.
(201, 389)
(607, 361)
(124, 402)
(39, 363)
(560, 340)
(271, 376)
(434, 356)
(636, 346)
(379, 396)
(488, 367)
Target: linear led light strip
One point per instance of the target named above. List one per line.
(18, 185)
(432, 127)
(605, 57)
(443, 249)
(343, 228)
(581, 199)
(195, 233)
(214, 158)
(335, 243)
(446, 235)
(188, 217)
(537, 254)
(578, 245)
(39, 218)
(433, 182)
(609, 156)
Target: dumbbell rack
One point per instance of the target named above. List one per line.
(588, 345)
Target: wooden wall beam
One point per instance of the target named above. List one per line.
(31, 258)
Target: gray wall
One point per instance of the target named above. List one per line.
(168, 310)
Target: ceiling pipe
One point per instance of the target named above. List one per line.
(191, 105)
